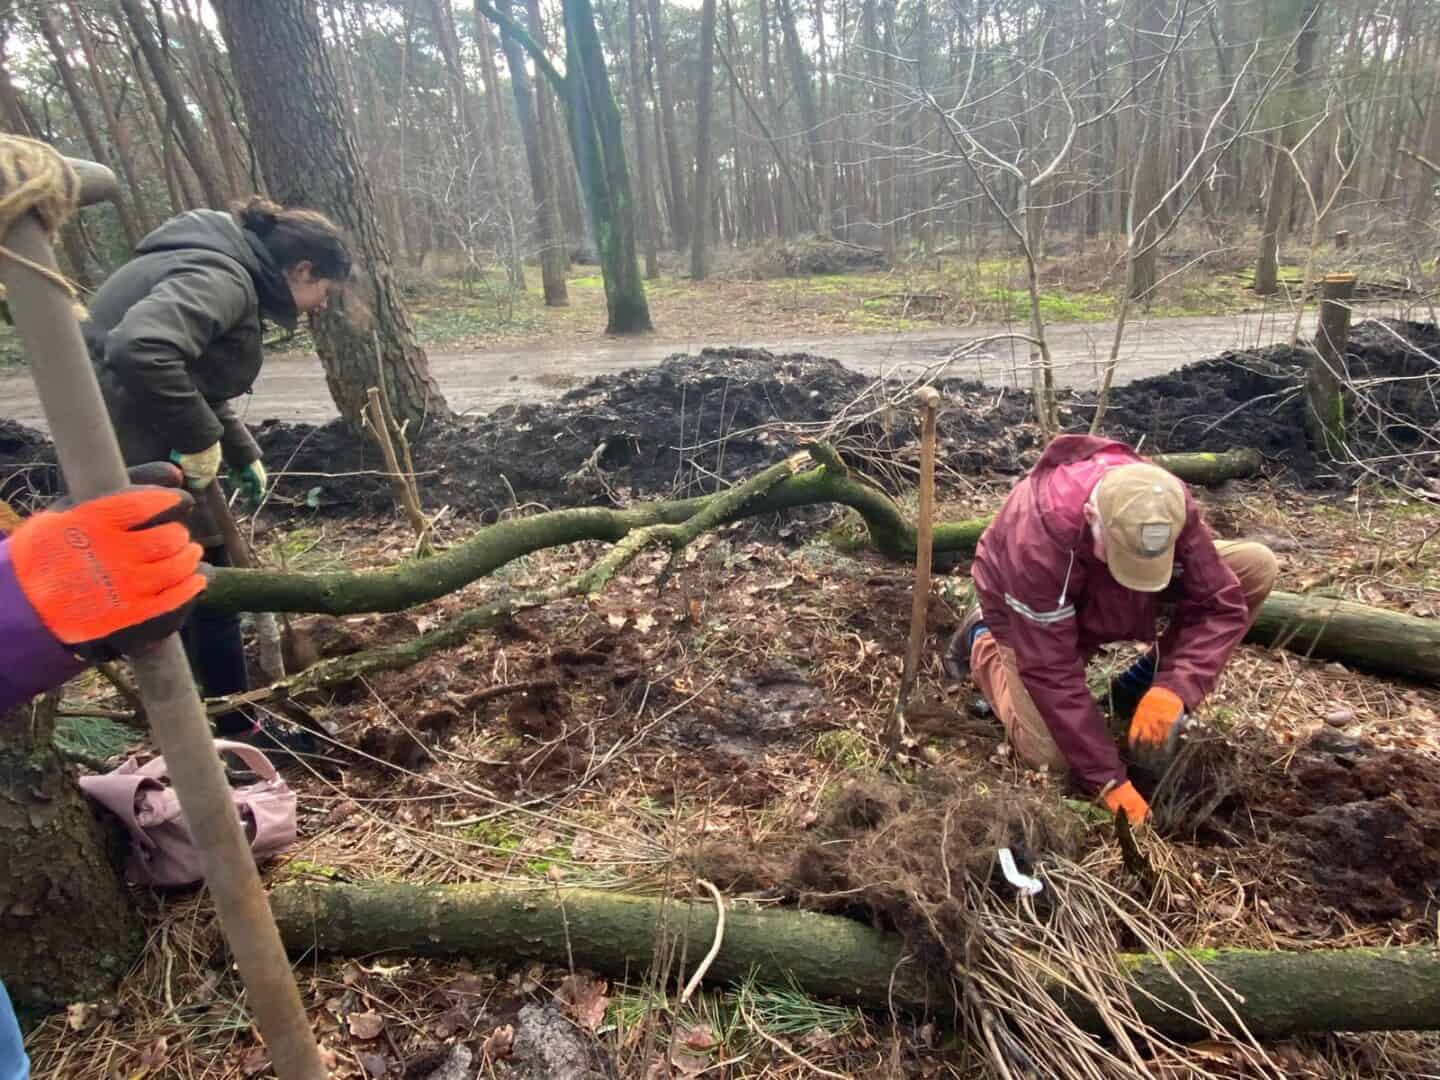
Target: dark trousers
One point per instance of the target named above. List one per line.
(217, 654)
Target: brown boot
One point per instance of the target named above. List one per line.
(957, 650)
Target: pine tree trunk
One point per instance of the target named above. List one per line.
(562, 165)
(483, 135)
(161, 145)
(504, 173)
(889, 215)
(704, 158)
(809, 116)
(548, 230)
(1282, 172)
(99, 151)
(203, 62)
(308, 153)
(69, 925)
(119, 131)
(599, 140)
(1144, 208)
(176, 107)
(649, 227)
(680, 218)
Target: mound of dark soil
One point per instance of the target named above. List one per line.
(1360, 824)
(681, 427)
(1254, 399)
(696, 422)
(1369, 822)
(649, 431)
(27, 464)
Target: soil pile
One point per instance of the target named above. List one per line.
(1358, 824)
(694, 423)
(1255, 399)
(1368, 822)
(646, 432)
(27, 465)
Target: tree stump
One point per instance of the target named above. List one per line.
(1325, 383)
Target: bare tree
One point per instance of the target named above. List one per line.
(177, 109)
(704, 164)
(1282, 172)
(679, 204)
(550, 233)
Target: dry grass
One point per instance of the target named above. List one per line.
(733, 700)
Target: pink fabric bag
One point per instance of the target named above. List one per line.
(162, 851)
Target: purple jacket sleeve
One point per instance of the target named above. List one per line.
(31, 660)
(1210, 618)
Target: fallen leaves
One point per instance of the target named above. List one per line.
(255, 1061)
(586, 999)
(499, 1043)
(365, 1025)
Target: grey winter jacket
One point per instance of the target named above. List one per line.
(175, 336)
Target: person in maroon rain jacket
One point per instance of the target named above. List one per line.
(1093, 546)
(81, 583)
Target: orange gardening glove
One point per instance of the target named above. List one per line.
(114, 572)
(1155, 717)
(1155, 729)
(1124, 797)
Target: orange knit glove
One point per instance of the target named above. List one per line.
(1124, 797)
(1155, 718)
(116, 571)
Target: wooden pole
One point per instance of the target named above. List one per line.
(1325, 383)
(377, 419)
(267, 627)
(929, 399)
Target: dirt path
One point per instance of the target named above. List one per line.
(293, 388)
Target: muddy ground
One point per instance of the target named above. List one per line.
(722, 721)
(721, 718)
(697, 421)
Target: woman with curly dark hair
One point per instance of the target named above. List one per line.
(175, 335)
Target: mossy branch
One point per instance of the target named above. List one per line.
(780, 487)
(342, 669)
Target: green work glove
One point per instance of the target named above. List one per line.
(252, 482)
(200, 468)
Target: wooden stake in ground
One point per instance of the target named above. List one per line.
(267, 627)
(402, 483)
(929, 399)
(1325, 386)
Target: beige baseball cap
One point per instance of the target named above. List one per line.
(1142, 510)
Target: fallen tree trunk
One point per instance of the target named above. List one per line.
(1211, 469)
(1277, 994)
(418, 581)
(1362, 637)
(1369, 639)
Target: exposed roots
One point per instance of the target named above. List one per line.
(924, 860)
